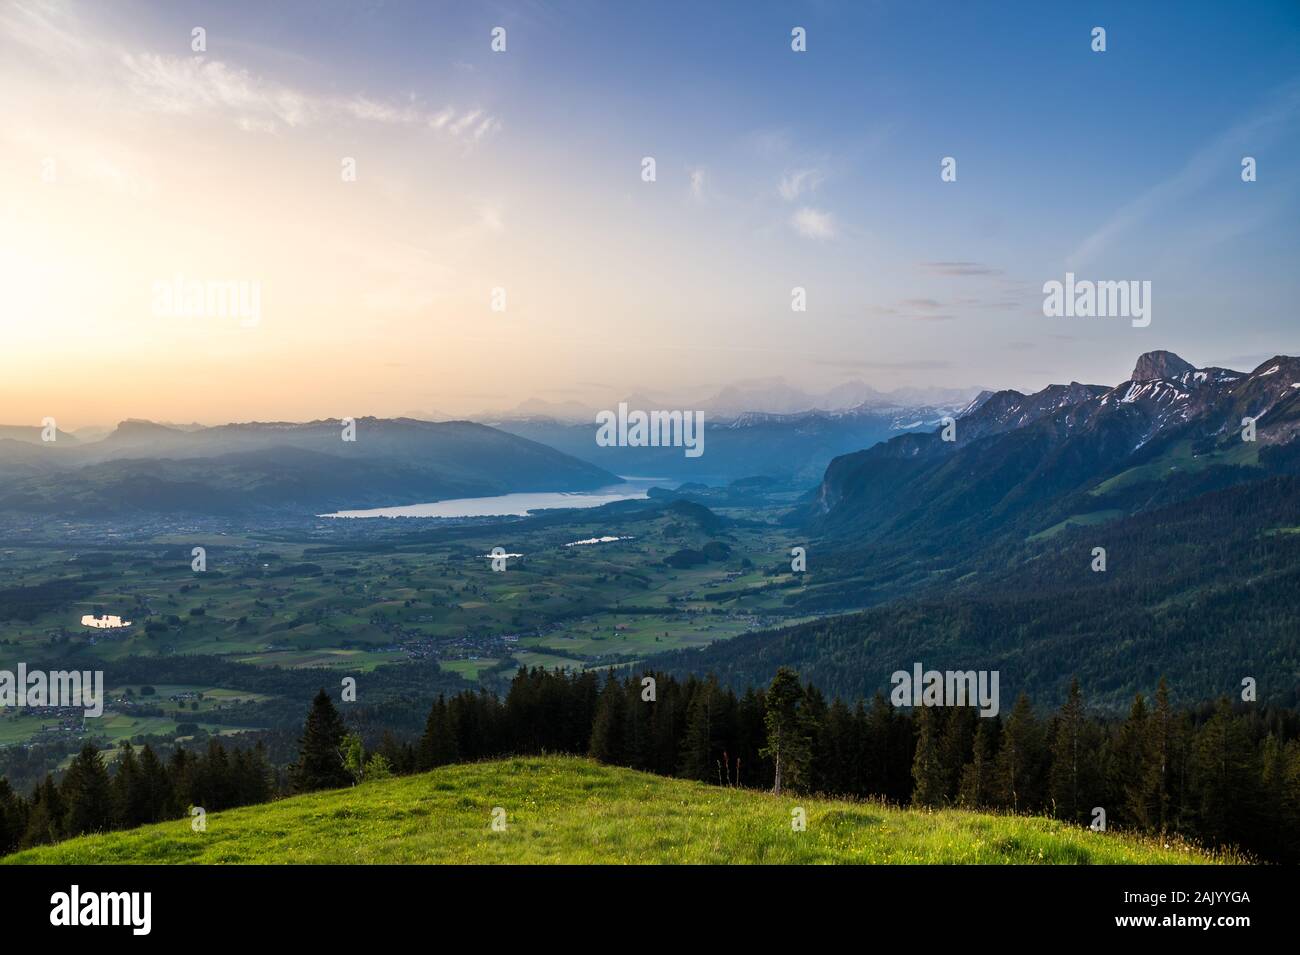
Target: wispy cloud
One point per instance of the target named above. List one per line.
(855, 364)
(959, 268)
(189, 85)
(699, 183)
(1216, 159)
(938, 310)
(814, 223)
(46, 31)
(491, 216)
(796, 183)
(52, 35)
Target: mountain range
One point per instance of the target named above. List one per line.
(246, 468)
(1169, 431)
(795, 448)
(1017, 463)
(1116, 534)
(773, 396)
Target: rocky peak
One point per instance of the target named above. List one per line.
(1160, 364)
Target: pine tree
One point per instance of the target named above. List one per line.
(256, 787)
(45, 818)
(467, 713)
(667, 727)
(751, 767)
(181, 777)
(1070, 777)
(788, 736)
(1227, 778)
(215, 786)
(1020, 760)
(979, 776)
(709, 724)
(438, 744)
(1160, 750)
(13, 820)
(956, 747)
(130, 800)
(156, 785)
(638, 733)
(927, 765)
(319, 764)
(400, 756)
(87, 792)
(1129, 768)
(1280, 785)
(814, 712)
(877, 768)
(838, 754)
(609, 732)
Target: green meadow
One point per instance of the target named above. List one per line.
(570, 810)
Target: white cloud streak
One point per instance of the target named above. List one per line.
(52, 37)
(814, 223)
(796, 183)
(1217, 158)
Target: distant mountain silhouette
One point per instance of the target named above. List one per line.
(237, 468)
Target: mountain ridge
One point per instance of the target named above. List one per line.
(246, 467)
(1013, 450)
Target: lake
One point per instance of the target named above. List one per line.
(518, 505)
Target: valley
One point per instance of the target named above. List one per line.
(978, 551)
(329, 598)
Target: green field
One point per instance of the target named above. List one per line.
(1180, 458)
(352, 597)
(568, 810)
(1077, 520)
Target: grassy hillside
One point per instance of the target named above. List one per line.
(569, 810)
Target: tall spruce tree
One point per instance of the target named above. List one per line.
(956, 747)
(437, 746)
(320, 764)
(45, 817)
(710, 720)
(1071, 759)
(1129, 767)
(180, 770)
(1161, 751)
(609, 742)
(87, 793)
(927, 765)
(788, 733)
(838, 753)
(979, 776)
(130, 802)
(1020, 760)
(157, 786)
(13, 819)
(1227, 777)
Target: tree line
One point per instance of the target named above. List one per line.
(141, 789)
(1217, 774)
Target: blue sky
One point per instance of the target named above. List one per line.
(775, 169)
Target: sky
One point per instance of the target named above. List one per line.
(130, 162)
